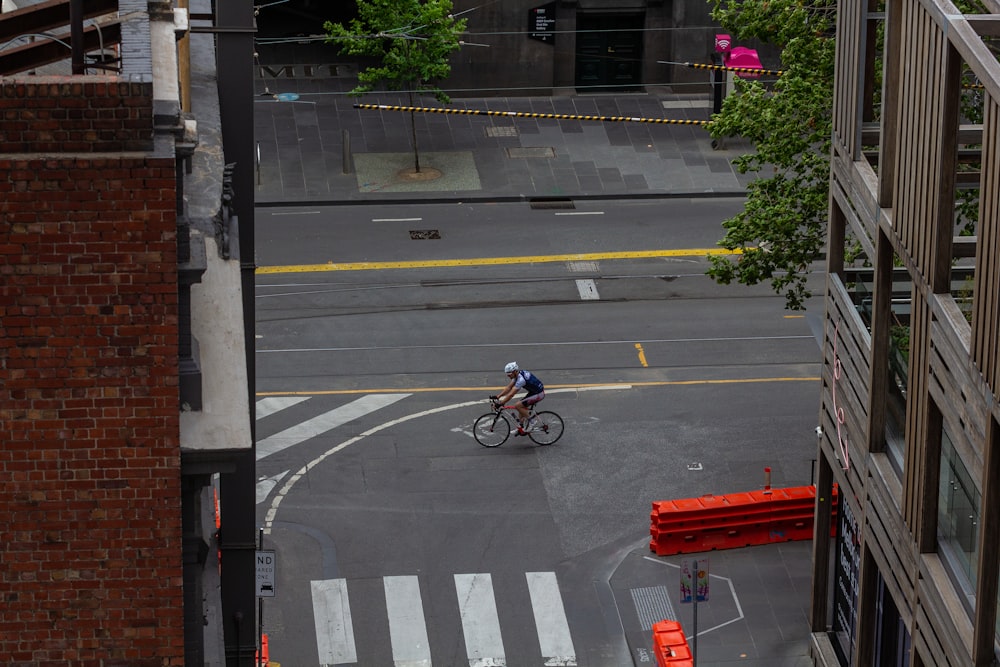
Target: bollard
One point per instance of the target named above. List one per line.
(767, 479)
(347, 151)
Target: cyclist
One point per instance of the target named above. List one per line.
(520, 379)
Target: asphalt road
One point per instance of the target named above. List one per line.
(376, 351)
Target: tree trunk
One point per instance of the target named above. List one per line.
(413, 132)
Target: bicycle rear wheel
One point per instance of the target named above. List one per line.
(491, 430)
(548, 428)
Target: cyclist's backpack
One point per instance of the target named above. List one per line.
(532, 383)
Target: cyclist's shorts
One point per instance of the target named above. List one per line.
(532, 399)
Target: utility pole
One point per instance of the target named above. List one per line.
(234, 28)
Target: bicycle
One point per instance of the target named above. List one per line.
(493, 428)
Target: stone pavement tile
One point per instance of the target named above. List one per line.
(635, 182)
(307, 136)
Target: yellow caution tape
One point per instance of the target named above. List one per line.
(526, 114)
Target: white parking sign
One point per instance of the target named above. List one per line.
(265, 574)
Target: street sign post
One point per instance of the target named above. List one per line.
(265, 574)
(694, 589)
(266, 564)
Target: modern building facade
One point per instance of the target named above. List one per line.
(910, 418)
(125, 359)
(583, 45)
(531, 47)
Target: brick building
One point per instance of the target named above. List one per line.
(124, 372)
(910, 413)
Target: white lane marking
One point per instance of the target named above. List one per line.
(267, 484)
(587, 289)
(334, 627)
(271, 404)
(324, 422)
(407, 628)
(396, 219)
(480, 623)
(550, 619)
(580, 213)
(293, 480)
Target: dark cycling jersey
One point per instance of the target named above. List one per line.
(529, 382)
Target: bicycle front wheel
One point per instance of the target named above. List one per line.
(548, 428)
(491, 430)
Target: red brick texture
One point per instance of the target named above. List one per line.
(90, 540)
(75, 114)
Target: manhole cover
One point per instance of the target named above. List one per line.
(582, 267)
(531, 151)
(418, 234)
(501, 131)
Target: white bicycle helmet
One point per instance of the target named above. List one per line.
(511, 367)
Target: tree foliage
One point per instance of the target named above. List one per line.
(782, 228)
(411, 41)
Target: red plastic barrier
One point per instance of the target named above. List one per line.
(670, 645)
(692, 525)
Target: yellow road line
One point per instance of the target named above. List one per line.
(417, 390)
(642, 355)
(493, 261)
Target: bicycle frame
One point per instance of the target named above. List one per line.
(487, 433)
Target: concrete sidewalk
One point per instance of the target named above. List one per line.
(315, 147)
(756, 615)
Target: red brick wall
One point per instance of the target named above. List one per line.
(90, 494)
(75, 114)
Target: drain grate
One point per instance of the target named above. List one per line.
(501, 131)
(420, 234)
(552, 202)
(531, 151)
(582, 267)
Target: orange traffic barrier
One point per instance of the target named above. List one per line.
(218, 525)
(693, 525)
(263, 655)
(670, 645)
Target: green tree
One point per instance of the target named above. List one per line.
(782, 228)
(410, 39)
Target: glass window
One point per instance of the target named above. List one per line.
(898, 369)
(996, 636)
(959, 504)
(892, 639)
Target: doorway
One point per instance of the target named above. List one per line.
(609, 52)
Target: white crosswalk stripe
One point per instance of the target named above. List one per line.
(550, 619)
(272, 404)
(408, 629)
(324, 422)
(334, 627)
(478, 609)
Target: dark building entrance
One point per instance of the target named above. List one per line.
(609, 51)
